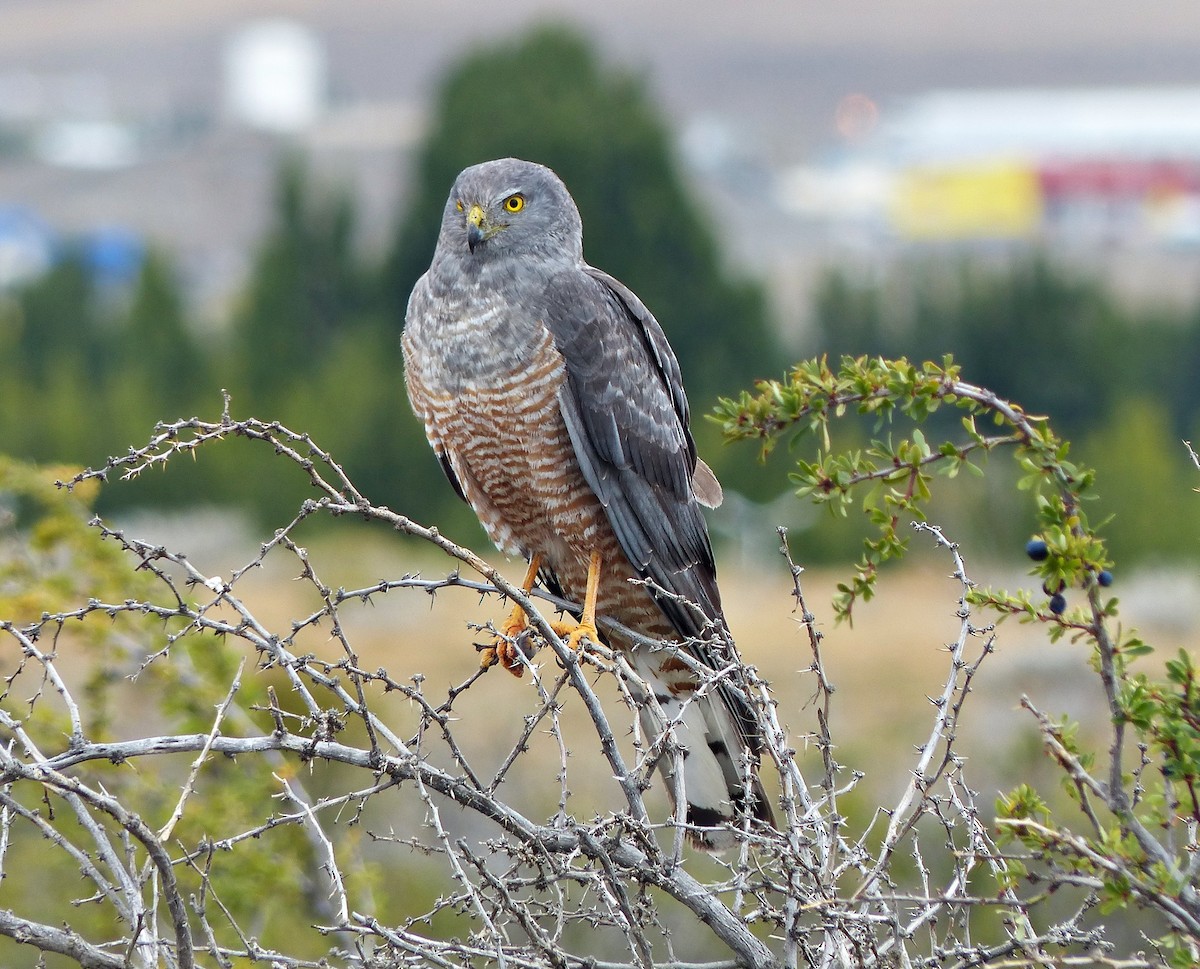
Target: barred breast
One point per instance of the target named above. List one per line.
(507, 442)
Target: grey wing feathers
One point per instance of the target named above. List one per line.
(626, 412)
(627, 416)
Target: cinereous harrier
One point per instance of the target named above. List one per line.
(556, 406)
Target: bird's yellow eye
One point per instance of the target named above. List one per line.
(514, 203)
(459, 206)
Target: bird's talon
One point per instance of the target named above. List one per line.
(576, 633)
(514, 625)
(575, 640)
(511, 652)
(511, 657)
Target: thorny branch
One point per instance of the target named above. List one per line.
(512, 871)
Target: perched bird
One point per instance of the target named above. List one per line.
(556, 407)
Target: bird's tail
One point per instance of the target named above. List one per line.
(720, 770)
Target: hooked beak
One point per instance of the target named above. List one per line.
(477, 231)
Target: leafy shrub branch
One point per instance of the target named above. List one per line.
(1141, 823)
(897, 473)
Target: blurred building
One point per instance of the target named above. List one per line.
(1093, 167)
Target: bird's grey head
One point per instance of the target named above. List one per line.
(510, 207)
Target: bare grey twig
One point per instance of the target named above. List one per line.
(510, 871)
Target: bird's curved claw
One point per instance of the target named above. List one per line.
(516, 642)
(512, 649)
(576, 632)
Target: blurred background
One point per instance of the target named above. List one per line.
(240, 194)
(237, 194)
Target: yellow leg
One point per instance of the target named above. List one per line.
(506, 653)
(516, 623)
(517, 620)
(586, 627)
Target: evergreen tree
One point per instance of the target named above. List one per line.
(312, 352)
(60, 321)
(305, 288)
(1145, 480)
(155, 345)
(52, 398)
(1062, 344)
(546, 97)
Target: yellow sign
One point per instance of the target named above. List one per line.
(981, 201)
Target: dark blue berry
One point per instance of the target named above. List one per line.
(1051, 586)
(1105, 578)
(1058, 603)
(1036, 549)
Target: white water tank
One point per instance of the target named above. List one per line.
(275, 76)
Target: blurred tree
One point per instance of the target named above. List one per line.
(305, 289)
(155, 346)
(313, 352)
(547, 97)
(157, 370)
(1060, 343)
(60, 319)
(1013, 331)
(57, 327)
(849, 314)
(1179, 348)
(1146, 479)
